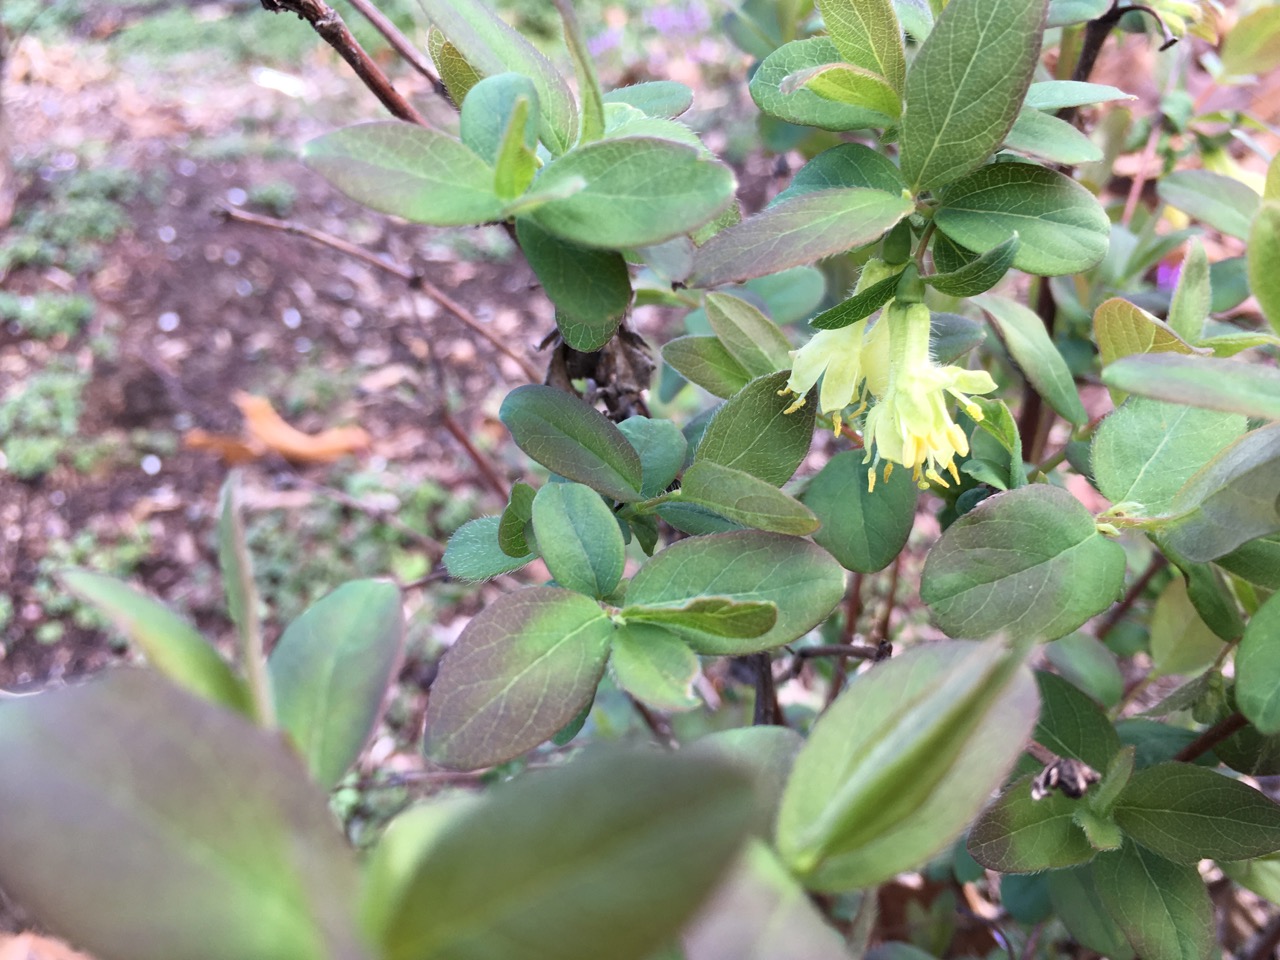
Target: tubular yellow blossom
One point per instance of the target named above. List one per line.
(911, 423)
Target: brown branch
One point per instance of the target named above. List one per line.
(767, 711)
(487, 470)
(881, 634)
(414, 279)
(1212, 737)
(657, 726)
(331, 28)
(1116, 614)
(1267, 940)
(841, 652)
(400, 43)
(852, 614)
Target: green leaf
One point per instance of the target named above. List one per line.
(706, 362)
(1017, 834)
(1123, 329)
(1258, 666)
(1044, 136)
(965, 86)
(1187, 813)
(330, 672)
(997, 421)
(127, 797)
(1028, 563)
(553, 865)
(845, 83)
(952, 336)
(1181, 643)
(570, 437)
(761, 913)
(1060, 94)
(584, 69)
(491, 47)
(516, 516)
(718, 616)
(1257, 562)
(1264, 253)
(657, 98)
(1088, 664)
(1253, 45)
(1162, 907)
(458, 75)
(750, 337)
(1192, 297)
(235, 564)
(978, 275)
(1075, 898)
(662, 448)
(1222, 202)
(578, 538)
(591, 289)
(797, 231)
(802, 105)
(859, 306)
(499, 119)
(636, 191)
(1229, 385)
(801, 579)
(867, 34)
(902, 761)
(765, 753)
(520, 671)
(654, 665)
(409, 171)
(1062, 227)
(1234, 499)
(1072, 725)
(1262, 876)
(473, 552)
(751, 433)
(745, 499)
(171, 645)
(1146, 450)
(863, 530)
(844, 166)
(1024, 335)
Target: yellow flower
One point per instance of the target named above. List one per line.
(911, 423)
(836, 357)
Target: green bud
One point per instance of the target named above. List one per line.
(910, 287)
(896, 248)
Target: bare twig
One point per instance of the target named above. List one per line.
(881, 634)
(852, 613)
(657, 726)
(331, 28)
(487, 470)
(1116, 614)
(1212, 737)
(400, 43)
(414, 279)
(767, 710)
(1264, 946)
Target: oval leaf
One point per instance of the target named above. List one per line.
(129, 791)
(1162, 907)
(567, 435)
(473, 552)
(1028, 562)
(965, 87)
(554, 865)
(409, 171)
(752, 433)
(978, 275)
(635, 192)
(740, 497)
(1228, 385)
(1258, 666)
(1017, 834)
(520, 671)
(330, 671)
(578, 538)
(1222, 202)
(863, 530)
(1061, 226)
(802, 105)
(654, 665)
(801, 579)
(797, 231)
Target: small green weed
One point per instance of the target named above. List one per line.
(45, 315)
(120, 557)
(39, 418)
(275, 197)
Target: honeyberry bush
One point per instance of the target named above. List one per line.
(181, 811)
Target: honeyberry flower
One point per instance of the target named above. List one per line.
(911, 423)
(835, 356)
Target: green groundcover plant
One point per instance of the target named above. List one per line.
(181, 811)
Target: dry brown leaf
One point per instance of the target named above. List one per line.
(233, 450)
(269, 428)
(29, 946)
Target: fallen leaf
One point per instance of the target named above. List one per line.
(231, 449)
(268, 427)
